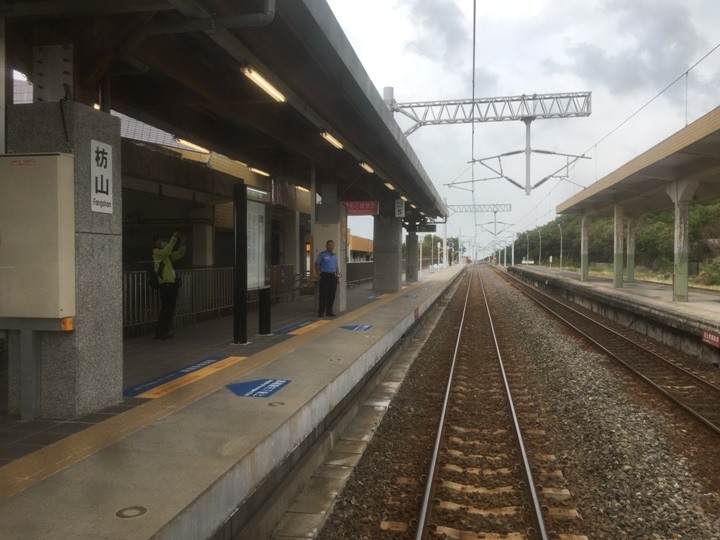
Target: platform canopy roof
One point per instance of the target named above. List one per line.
(178, 65)
(693, 153)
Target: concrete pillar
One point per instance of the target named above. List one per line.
(330, 218)
(4, 74)
(411, 245)
(292, 240)
(387, 249)
(619, 223)
(81, 371)
(631, 229)
(203, 245)
(681, 193)
(584, 246)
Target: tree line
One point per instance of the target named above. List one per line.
(654, 241)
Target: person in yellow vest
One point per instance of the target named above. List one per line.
(163, 256)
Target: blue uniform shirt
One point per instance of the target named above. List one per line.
(327, 260)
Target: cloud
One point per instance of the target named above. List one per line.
(442, 29)
(655, 42)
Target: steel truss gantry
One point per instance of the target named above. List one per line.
(475, 208)
(454, 208)
(526, 108)
(493, 109)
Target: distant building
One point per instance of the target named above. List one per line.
(360, 249)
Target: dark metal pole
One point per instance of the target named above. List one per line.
(240, 280)
(264, 311)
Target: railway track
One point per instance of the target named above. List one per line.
(698, 397)
(489, 455)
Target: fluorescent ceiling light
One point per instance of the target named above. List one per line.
(256, 190)
(192, 146)
(404, 198)
(367, 167)
(413, 207)
(306, 190)
(258, 79)
(389, 186)
(258, 171)
(332, 140)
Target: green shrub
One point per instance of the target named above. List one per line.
(710, 272)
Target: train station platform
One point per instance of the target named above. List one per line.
(205, 421)
(645, 306)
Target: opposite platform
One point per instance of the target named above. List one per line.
(179, 465)
(645, 306)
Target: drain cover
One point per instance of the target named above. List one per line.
(131, 512)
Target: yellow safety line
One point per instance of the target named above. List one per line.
(190, 377)
(307, 328)
(28, 470)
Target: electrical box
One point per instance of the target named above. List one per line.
(37, 236)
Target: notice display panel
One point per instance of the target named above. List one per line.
(258, 246)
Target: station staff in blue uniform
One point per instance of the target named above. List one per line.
(326, 266)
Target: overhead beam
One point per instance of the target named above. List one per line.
(76, 7)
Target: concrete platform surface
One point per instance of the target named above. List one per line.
(179, 464)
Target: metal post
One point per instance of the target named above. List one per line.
(444, 244)
(619, 229)
(540, 248)
(584, 247)
(527, 236)
(561, 261)
(512, 256)
(420, 265)
(528, 188)
(240, 281)
(432, 240)
(265, 301)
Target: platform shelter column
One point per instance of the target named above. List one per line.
(619, 227)
(631, 230)
(584, 255)
(681, 193)
(80, 371)
(387, 249)
(411, 269)
(331, 224)
(203, 244)
(291, 240)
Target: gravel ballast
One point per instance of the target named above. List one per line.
(636, 467)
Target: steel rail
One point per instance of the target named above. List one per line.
(429, 488)
(540, 523)
(714, 427)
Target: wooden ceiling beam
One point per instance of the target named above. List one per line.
(100, 41)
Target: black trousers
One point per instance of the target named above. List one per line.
(168, 297)
(328, 287)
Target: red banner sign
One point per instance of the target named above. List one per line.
(362, 208)
(711, 338)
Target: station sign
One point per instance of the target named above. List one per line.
(711, 338)
(426, 227)
(399, 208)
(362, 208)
(101, 177)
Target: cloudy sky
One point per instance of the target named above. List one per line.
(624, 51)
